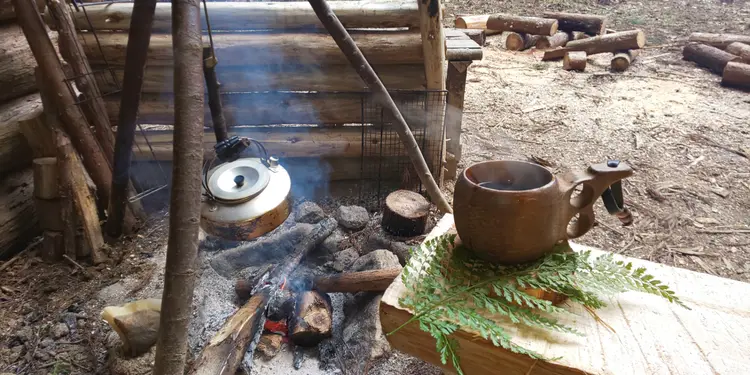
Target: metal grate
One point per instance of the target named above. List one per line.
(385, 163)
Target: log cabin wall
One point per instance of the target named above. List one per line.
(283, 78)
(19, 101)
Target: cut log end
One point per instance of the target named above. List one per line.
(312, 320)
(575, 60)
(740, 49)
(405, 213)
(45, 178)
(736, 75)
(621, 61)
(514, 42)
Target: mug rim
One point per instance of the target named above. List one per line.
(552, 180)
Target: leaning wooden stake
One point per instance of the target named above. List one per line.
(382, 97)
(139, 36)
(185, 201)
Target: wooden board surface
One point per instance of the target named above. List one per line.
(652, 336)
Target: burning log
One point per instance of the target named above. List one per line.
(709, 57)
(353, 282)
(312, 320)
(223, 354)
(588, 23)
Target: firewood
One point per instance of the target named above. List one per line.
(718, 40)
(312, 320)
(405, 213)
(736, 75)
(621, 60)
(577, 35)
(575, 60)
(740, 49)
(353, 282)
(558, 40)
(45, 178)
(529, 25)
(623, 40)
(588, 23)
(707, 56)
(520, 41)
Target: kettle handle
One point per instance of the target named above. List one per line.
(594, 181)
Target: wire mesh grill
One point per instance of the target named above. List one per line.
(386, 165)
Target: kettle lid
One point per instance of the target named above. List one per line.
(239, 180)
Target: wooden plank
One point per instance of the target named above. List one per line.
(258, 15)
(159, 79)
(462, 50)
(234, 49)
(652, 336)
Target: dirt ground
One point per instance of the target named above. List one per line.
(671, 121)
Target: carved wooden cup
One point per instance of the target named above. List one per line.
(514, 212)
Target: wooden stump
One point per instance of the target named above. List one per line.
(575, 60)
(529, 25)
(736, 75)
(312, 320)
(405, 213)
(588, 23)
(621, 61)
(709, 57)
(740, 49)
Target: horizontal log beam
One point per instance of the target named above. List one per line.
(383, 47)
(159, 79)
(258, 15)
(14, 150)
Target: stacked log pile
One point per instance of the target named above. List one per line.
(563, 36)
(727, 55)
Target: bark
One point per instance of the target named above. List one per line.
(73, 120)
(16, 63)
(354, 282)
(621, 61)
(45, 178)
(386, 48)
(718, 40)
(740, 49)
(405, 213)
(558, 40)
(185, 200)
(737, 75)
(623, 40)
(135, 63)
(382, 97)
(520, 41)
(575, 60)
(529, 25)
(18, 219)
(712, 58)
(261, 16)
(15, 153)
(588, 23)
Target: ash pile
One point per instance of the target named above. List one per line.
(324, 317)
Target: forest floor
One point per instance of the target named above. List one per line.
(671, 121)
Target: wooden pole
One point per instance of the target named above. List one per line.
(135, 65)
(382, 97)
(73, 119)
(185, 201)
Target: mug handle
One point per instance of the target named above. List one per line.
(593, 181)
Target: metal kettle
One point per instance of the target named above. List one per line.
(244, 196)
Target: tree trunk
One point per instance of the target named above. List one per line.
(575, 60)
(721, 41)
(588, 23)
(16, 63)
(740, 49)
(260, 16)
(385, 48)
(529, 25)
(558, 40)
(623, 40)
(520, 41)
(354, 282)
(736, 75)
(185, 199)
(622, 60)
(18, 220)
(15, 153)
(54, 82)
(708, 57)
(352, 52)
(405, 213)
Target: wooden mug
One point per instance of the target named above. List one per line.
(513, 211)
